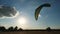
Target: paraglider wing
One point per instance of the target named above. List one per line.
(37, 11)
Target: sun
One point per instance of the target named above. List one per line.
(22, 20)
(39, 15)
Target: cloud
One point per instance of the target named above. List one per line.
(8, 11)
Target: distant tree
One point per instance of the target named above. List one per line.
(16, 28)
(20, 29)
(10, 29)
(49, 29)
(2, 28)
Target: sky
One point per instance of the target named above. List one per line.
(22, 14)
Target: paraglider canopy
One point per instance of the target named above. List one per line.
(38, 10)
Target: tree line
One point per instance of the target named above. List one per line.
(2, 28)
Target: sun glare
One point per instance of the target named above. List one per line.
(21, 20)
(39, 15)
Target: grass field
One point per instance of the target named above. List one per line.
(32, 32)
